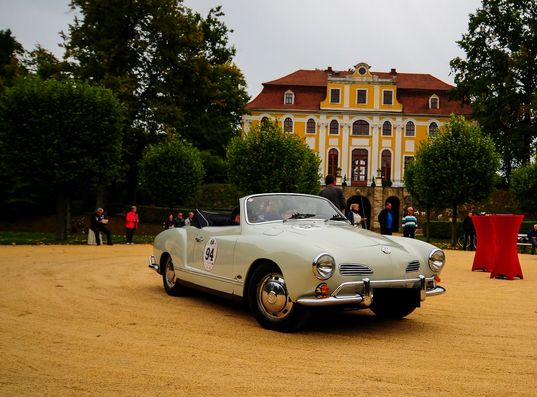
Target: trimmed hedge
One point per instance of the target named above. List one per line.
(442, 229)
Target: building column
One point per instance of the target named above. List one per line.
(397, 160)
(374, 150)
(345, 149)
(322, 147)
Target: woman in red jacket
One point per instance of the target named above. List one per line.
(131, 224)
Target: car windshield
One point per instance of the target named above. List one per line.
(287, 207)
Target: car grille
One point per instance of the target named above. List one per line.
(413, 266)
(354, 269)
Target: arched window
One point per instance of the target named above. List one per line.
(289, 98)
(410, 129)
(264, 120)
(433, 129)
(386, 164)
(310, 126)
(334, 128)
(387, 129)
(359, 167)
(333, 159)
(360, 127)
(434, 102)
(288, 125)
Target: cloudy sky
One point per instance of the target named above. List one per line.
(274, 38)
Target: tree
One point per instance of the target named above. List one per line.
(268, 160)
(498, 77)
(171, 172)
(61, 137)
(524, 187)
(11, 59)
(457, 167)
(171, 67)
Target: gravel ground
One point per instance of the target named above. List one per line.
(86, 320)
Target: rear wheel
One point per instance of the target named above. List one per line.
(169, 279)
(270, 303)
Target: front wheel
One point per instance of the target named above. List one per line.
(270, 303)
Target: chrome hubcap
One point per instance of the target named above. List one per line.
(170, 273)
(272, 297)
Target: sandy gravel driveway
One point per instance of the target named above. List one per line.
(86, 320)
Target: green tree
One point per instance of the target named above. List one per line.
(524, 187)
(43, 64)
(268, 160)
(171, 172)
(61, 137)
(11, 59)
(172, 67)
(498, 76)
(457, 167)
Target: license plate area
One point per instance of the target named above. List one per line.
(410, 295)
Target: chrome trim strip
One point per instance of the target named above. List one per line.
(437, 291)
(197, 272)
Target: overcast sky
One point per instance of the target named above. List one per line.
(277, 37)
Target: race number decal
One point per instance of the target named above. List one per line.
(209, 254)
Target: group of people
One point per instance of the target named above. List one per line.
(177, 221)
(386, 219)
(99, 224)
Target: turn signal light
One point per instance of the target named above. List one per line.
(322, 290)
(437, 279)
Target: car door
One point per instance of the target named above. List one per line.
(211, 255)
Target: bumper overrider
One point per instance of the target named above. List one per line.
(153, 264)
(361, 292)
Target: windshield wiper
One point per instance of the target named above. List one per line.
(298, 215)
(337, 217)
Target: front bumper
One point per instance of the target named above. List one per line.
(153, 263)
(362, 292)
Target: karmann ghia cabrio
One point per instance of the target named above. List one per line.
(286, 254)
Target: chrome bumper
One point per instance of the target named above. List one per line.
(153, 263)
(426, 285)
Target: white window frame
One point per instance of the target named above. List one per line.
(383, 98)
(366, 96)
(339, 94)
(289, 94)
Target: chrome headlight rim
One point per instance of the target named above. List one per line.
(324, 266)
(437, 260)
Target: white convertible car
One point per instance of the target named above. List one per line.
(286, 254)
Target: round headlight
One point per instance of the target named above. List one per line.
(437, 259)
(323, 266)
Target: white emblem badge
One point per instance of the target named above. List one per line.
(386, 250)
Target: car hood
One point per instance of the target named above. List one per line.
(334, 234)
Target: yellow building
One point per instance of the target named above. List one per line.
(362, 124)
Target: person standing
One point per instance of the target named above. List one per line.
(131, 224)
(180, 220)
(333, 193)
(385, 219)
(188, 221)
(98, 224)
(169, 222)
(353, 216)
(532, 237)
(469, 232)
(409, 223)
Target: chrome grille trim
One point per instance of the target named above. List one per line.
(413, 266)
(354, 269)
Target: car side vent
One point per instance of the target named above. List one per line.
(413, 266)
(354, 269)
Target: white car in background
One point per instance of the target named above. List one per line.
(286, 254)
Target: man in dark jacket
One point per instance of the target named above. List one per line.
(469, 232)
(333, 193)
(385, 219)
(98, 224)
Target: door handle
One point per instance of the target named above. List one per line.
(199, 239)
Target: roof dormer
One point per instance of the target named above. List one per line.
(434, 102)
(289, 98)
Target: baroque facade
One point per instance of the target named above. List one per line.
(364, 125)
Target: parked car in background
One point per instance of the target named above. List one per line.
(286, 254)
